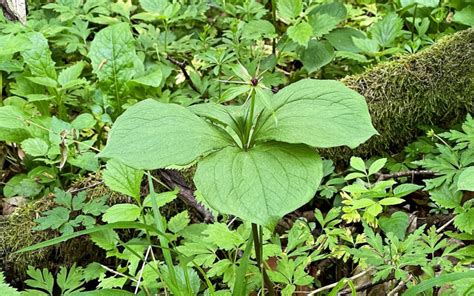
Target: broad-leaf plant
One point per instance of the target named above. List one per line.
(253, 162)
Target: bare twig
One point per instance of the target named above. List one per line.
(335, 284)
(400, 286)
(445, 225)
(85, 187)
(174, 179)
(141, 269)
(382, 177)
(182, 66)
(364, 286)
(118, 273)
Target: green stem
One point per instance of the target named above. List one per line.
(413, 23)
(258, 244)
(274, 25)
(249, 121)
(164, 243)
(1, 88)
(166, 37)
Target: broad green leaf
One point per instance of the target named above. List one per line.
(44, 81)
(152, 135)
(70, 73)
(35, 146)
(317, 55)
(465, 16)
(357, 163)
(354, 176)
(319, 113)
(224, 238)
(446, 197)
(300, 33)
(86, 160)
(428, 3)
(153, 79)
(397, 223)
(105, 239)
(154, 6)
(38, 57)
(353, 56)
(374, 209)
(21, 185)
(377, 165)
(113, 56)
(466, 179)
(179, 222)
(241, 72)
(84, 121)
(10, 44)
(405, 189)
(362, 203)
(366, 45)
(122, 178)
(53, 219)
(465, 221)
(386, 30)
(13, 127)
(289, 9)
(161, 198)
(391, 201)
(233, 92)
(326, 17)
(341, 39)
(258, 29)
(262, 184)
(121, 212)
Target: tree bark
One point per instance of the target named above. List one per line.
(14, 10)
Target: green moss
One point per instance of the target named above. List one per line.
(16, 232)
(431, 88)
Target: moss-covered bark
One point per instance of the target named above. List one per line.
(431, 88)
(16, 232)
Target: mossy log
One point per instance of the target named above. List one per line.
(433, 87)
(16, 232)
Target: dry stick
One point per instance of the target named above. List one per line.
(335, 284)
(85, 187)
(400, 286)
(182, 66)
(365, 286)
(141, 270)
(175, 179)
(445, 225)
(382, 177)
(118, 273)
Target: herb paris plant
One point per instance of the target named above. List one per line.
(259, 173)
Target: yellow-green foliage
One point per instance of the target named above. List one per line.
(432, 88)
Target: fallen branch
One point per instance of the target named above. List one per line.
(365, 286)
(400, 286)
(182, 66)
(382, 177)
(335, 284)
(445, 225)
(174, 179)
